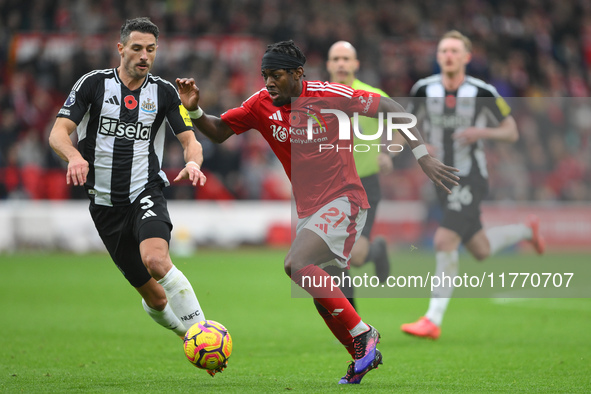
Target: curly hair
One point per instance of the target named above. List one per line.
(288, 48)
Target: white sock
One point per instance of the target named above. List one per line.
(181, 297)
(448, 266)
(166, 318)
(502, 236)
(360, 328)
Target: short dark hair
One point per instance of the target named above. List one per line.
(288, 48)
(142, 24)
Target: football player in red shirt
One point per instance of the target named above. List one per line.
(330, 199)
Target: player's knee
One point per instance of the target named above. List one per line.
(439, 243)
(358, 256)
(481, 254)
(442, 245)
(446, 240)
(357, 261)
(360, 252)
(292, 265)
(156, 263)
(156, 302)
(287, 266)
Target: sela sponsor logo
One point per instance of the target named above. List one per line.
(345, 129)
(131, 131)
(148, 106)
(71, 99)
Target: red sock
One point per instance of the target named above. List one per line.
(338, 330)
(321, 287)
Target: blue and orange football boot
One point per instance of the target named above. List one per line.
(365, 349)
(351, 377)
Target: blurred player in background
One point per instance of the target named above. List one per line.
(456, 126)
(325, 183)
(120, 115)
(342, 64)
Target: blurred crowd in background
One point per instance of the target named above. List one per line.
(540, 49)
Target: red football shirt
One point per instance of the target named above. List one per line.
(318, 173)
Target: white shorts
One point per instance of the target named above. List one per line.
(339, 224)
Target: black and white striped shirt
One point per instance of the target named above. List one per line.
(475, 103)
(121, 132)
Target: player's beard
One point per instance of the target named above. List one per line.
(281, 102)
(134, 72)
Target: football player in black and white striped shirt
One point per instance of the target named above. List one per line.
(459, 112)
(120, 116)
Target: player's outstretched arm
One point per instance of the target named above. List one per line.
(438, 172)
(60, 142)
(505, 132)
(193, 154)
(213, 127)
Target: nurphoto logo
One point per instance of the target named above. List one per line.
(392, 119)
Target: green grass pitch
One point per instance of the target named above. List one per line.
(72, 324)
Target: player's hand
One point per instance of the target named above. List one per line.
(193, 173)
(469, 135)
(77, 171)
(189, 93)
(385, 163)
(439, 172)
